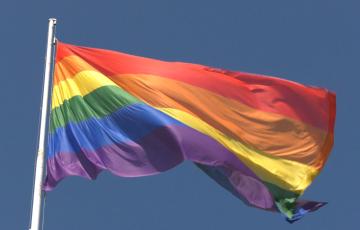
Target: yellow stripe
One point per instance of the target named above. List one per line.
(81, 84)
(286, 174)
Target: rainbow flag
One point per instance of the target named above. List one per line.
(262, 138)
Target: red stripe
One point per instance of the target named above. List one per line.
(314, 106)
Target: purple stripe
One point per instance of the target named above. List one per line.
(159, 151)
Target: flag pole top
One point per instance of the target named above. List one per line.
(53, 20)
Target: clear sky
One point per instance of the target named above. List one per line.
(315, 42)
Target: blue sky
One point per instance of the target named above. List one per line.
(315, 42)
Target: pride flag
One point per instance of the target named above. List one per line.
(262, 138)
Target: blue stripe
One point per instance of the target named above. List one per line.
(127, 124)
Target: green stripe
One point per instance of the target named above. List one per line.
(285, 200)
(98, 103)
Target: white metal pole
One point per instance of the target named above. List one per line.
(39, 167)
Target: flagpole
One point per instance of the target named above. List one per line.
(40, 159)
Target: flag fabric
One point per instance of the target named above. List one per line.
(262, 138)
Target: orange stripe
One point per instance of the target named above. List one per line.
(267, 132)
(68, 67)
